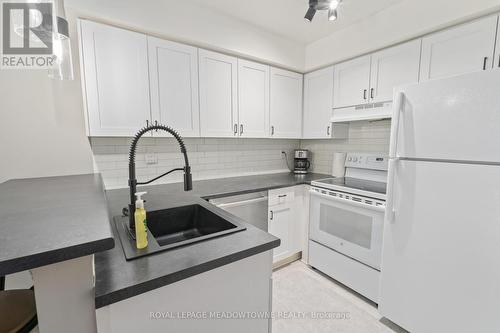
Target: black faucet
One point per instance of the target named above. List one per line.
(132, 181)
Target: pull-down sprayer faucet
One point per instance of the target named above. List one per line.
(132, 181)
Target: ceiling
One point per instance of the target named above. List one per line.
(286, 17)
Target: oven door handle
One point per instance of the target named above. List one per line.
(348, 201)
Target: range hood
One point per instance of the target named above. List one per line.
(371, 111)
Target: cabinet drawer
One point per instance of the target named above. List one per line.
(281, 196)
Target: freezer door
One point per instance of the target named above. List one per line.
(440, 261)
(451, 119)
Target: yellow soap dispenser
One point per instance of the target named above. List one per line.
(141, 235)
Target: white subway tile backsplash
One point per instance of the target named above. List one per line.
(363, 137)
(226, 157)
(209, 158)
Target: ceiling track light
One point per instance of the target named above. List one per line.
(328, 5)
(310, 14)
(332, 14)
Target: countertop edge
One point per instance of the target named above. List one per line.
(55, 256)
(138, 289)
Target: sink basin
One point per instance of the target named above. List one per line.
(185, 223)
(175, 227)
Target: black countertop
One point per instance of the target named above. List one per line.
(118, 279)
(48, 220)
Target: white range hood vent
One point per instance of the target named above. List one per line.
(371, 111)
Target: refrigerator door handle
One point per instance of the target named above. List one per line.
(390, 210)
(397, 110)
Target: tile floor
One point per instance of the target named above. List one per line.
(303, 292)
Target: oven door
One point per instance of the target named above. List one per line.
(349, 227)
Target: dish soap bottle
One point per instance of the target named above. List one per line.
(141, 235)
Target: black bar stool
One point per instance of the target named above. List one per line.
(17, 309)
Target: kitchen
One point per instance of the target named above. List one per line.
(317, 168)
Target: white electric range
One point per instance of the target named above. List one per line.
(346, 223)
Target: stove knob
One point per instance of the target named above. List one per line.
(349, 159)
(355, 159)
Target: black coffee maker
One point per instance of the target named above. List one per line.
(301, 161)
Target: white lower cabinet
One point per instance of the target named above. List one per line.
(287, 220)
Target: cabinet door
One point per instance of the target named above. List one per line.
(253, 99)
(280, 221)
(173, 75)
(286, 104)
(318, 99)
(115, 68)
(218, 94)
(496, 59)
(393, 67)
(351, 82)
(463, 49)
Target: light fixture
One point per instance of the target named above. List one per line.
(63, 64)
(310, 14)
(328, 5)
(332, 14)
(334, 4)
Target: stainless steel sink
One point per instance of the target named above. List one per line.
(175, 227)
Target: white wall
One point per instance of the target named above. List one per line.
(405, 20)
(184, 22)
(42, 129)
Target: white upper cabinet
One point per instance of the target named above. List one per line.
(496, 59)
(286, 104)
(218, 94)
(173, 75)
(393, 67)
(116, 83)
(318, 101)
(462, 49)
(253, 99)
(351, 82)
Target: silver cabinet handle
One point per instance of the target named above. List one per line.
(272, 130)
(372, 93)
(499, 61)
(241, 129)
(147, 123)
(328, 130)
(235, 129)
(272, 215)
(485, 60)
(364, 94)
(156, 124)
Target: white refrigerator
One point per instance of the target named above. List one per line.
(440, 267)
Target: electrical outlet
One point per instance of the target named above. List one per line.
(151, 159)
